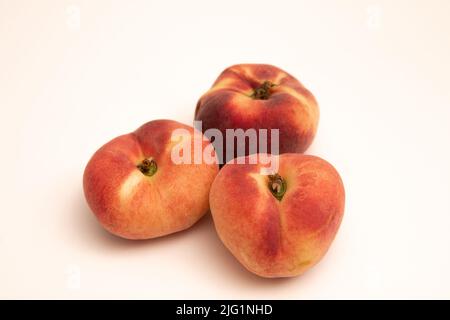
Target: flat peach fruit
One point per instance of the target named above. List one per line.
(259, 96)
(135, 189)
(282, 224)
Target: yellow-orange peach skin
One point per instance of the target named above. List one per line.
(137, 192)
(261, 96)
(272, 237)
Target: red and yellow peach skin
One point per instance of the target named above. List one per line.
(261, 96)
(272, 237)
(137, 192)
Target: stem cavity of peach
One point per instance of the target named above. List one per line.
(264, 91)
(277, 186)
(148, 167)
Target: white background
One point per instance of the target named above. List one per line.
(75, 74)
